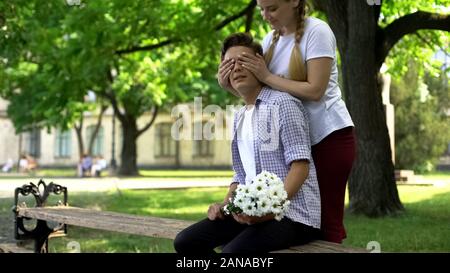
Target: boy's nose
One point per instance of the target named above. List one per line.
(237, 66)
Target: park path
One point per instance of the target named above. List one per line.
(7, 185)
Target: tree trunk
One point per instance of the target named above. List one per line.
(372, 187)
(97, 128)
(79, 132)
(128, 166)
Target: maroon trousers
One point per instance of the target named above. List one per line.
(333, 158)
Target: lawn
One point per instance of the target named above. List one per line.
(423, 227)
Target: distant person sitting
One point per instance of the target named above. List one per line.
(99, 165)
(23, 164)
(8, 166)
(85, 165)
(27, 164)
(32, 164)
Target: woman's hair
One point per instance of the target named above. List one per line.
(240, 39)
(297, 70)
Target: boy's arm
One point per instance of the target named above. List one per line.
(294, 135)
(296, 177)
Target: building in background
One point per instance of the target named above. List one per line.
(155, 148)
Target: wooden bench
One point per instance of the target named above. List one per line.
(404, 176)
(111, 221)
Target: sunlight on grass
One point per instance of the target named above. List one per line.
(411, 194)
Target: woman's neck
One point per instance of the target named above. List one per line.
(289, 29)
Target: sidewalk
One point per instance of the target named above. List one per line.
(7, 186)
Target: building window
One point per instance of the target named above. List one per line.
(164, 143)
(33, 143)
(97, 147)
(63, 143)
(203, 147)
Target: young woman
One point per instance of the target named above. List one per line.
(300, 58)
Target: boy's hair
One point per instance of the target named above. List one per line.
(240, 39)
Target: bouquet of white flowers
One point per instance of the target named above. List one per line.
(264, 195)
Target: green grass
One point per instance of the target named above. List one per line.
(437, 175)
(424, 226)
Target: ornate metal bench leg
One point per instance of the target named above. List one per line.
(41, 232)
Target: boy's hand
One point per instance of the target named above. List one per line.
(214, 212)
(251, 220)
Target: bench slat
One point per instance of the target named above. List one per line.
(111, 221)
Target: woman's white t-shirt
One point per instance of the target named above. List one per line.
(330, 113)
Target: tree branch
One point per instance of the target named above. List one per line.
(111, 97)
(232, 18)
(155, 113)
(148, 47)
(409, 24)
(249, 18)
(250, 7)
(97, 128)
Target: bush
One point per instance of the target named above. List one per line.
(422, 129)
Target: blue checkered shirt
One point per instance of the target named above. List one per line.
(281, 136)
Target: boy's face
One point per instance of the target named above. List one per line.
(241, 79)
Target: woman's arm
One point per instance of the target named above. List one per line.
(313, 89)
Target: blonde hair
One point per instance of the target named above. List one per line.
(297, 70)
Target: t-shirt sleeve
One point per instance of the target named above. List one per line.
(320, 43)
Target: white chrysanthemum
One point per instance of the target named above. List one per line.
(278, 217)
(258, 188)
(276, 192)
(264, 205)
(249, 208)
(275, 208)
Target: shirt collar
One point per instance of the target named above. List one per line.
(264, 95)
